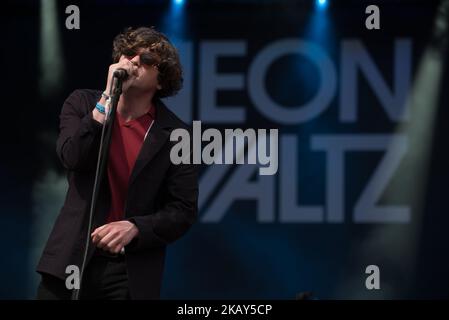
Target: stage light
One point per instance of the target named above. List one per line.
(411, 180)
(51, 61)
(321, 4)
(175, 26)
(174, 23)
(320, 30)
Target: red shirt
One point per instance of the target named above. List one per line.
(127, 139)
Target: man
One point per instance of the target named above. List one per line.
(145, 201)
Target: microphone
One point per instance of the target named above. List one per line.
(121, 74)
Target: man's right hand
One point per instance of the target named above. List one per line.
(130, 68)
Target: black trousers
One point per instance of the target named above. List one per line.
(105, 278)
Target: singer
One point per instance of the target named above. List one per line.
(145, 201)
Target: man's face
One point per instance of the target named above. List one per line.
(145, 75)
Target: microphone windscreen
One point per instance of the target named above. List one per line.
(121, 74)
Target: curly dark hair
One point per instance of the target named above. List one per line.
(170, 69)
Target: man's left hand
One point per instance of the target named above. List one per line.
(114, 236)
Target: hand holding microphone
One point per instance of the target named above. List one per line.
(121, 74)
(125, 70)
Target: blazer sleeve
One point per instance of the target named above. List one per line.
(178, 213)
(79, 134)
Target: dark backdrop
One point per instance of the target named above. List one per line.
(251, 240)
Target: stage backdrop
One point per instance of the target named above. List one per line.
(361, 176)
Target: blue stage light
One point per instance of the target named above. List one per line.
(321, 4)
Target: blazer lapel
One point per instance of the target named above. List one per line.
(156, 138)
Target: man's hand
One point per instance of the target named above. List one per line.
(129, 66)
(114, 236)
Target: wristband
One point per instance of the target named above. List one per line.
(100, 108)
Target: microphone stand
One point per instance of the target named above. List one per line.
(105, 141)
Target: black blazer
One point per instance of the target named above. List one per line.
(162, 197)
